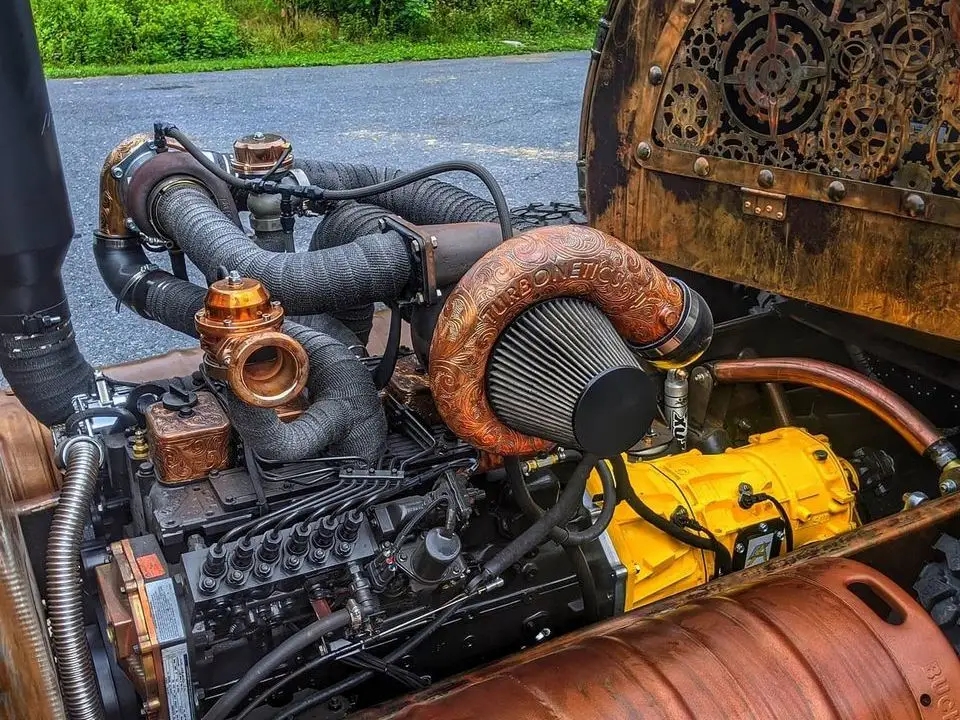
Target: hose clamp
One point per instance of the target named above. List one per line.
(141, 273)
(66, 447)
(356, 614)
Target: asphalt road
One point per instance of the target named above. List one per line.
(516, 115)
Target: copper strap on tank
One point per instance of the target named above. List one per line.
(872, 396)
(803, 644)
(571, 261)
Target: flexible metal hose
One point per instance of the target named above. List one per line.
(81, 696)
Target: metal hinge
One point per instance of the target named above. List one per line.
(768, 205)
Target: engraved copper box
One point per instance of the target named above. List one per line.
(186, 446)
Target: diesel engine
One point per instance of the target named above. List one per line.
(416, 432)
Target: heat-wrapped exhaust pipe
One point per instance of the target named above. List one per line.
(345, 416)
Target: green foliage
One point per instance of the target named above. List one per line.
(144, 32)
(185, 30)
(101, 31)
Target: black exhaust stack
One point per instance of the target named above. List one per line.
(38, 350)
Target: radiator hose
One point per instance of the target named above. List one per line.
(82, 458)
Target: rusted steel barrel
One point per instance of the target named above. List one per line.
(829, 639)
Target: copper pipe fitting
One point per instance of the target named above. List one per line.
(113, 213)
(240, 333)
(868, 394)
(666, 321)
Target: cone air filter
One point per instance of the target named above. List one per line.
(561, 372)
(533, 346)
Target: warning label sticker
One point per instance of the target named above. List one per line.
(151, 566)
(176, 672)
(166, 612)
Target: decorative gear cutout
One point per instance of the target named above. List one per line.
(775, 74)
(780, 156)
(735, 147)
(913, 47)
(924, 108)
(864, 132)
(689, 110)
(703, 50)
(857, 56)
(913, 176)
(945, 152)
(724, 22)
(851, 14)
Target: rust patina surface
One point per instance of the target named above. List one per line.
(811, 149)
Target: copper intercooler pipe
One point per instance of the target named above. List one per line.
(896, 412)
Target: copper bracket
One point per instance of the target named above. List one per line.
(766, 205)
(422, 248)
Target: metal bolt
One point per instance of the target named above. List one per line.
(821, 455)
(318, 556)
(258, 136)
(781, 534)
(292, 562)
(700, 376)
(739, 547)
(948, 487)
(656, 75)
(233, 278)
(701, 167)
(763, 527)
(235, 577)
(543, 635)
(117, 172)
(344, 549)
(644, 151)
(765, 178)
(263, 571)
(837, 191)
(915, 205)
(208, 585)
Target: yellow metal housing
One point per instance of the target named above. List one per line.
(813, 484)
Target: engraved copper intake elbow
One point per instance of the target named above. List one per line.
(240, 335)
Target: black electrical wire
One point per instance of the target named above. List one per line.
(564, 535)
(787, 526)
(127, 419)
(368, 661)
(418, 517)
(629, 495)
(312, 192)
(356, 679)
(484, 175)
(723, 563)
(271, 661)
(388, 361)
(570, 499)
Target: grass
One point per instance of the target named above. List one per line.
(338, 53)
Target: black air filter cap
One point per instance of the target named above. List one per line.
(614, 411)
(561, 372)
